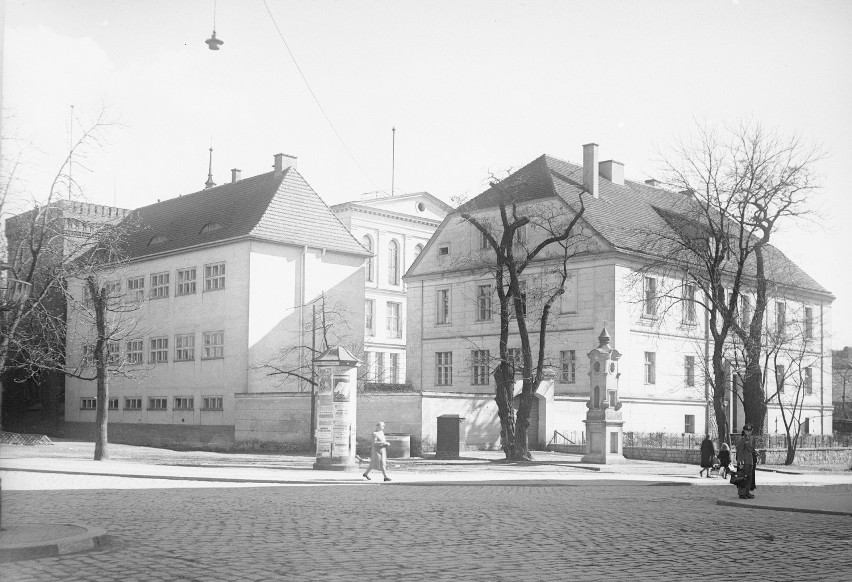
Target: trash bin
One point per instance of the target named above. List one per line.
(399, 446)
(451, 439)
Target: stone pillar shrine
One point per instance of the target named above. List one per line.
(604, 425)
(337, 372)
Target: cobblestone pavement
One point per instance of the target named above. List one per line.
(533, 531)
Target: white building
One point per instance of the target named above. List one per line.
(395, 229)
(453, 329)
(225, 277)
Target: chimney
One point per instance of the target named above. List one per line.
(613, 171)
(235, 175)
(284, 162)
(590, 168)
(653, 183)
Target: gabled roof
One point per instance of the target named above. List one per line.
(278, 207)
(622, 215)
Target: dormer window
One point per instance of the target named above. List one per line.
(210, 227)
(157, 240)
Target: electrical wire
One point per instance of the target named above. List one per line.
(316, 100)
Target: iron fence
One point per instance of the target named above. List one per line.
(764, 441)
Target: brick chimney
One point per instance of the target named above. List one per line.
(590, 168)
(284, 162)
(613, 171)
(235, 175)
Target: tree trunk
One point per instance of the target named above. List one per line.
(99, 297)
(522, 449)
(720, 383)
(101, 448)
(505, 381)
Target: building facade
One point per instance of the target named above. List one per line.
(395, 229)
(652, 317)
(215, 336)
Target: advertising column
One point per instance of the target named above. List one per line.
(337, 372)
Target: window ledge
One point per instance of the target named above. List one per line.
(211, 409)
(213, 358)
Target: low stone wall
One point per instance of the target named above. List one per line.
(687, 456)
(156, 435)
(809, 457)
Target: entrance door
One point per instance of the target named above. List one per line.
(532, 430)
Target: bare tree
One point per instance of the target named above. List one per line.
(738, 186)
(517, 235)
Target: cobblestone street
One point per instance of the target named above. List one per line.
(586, 530)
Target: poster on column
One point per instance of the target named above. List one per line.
(325, 414)
(343, 414)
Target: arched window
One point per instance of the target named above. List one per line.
(417, 250)
(393, 263)
(368, 244)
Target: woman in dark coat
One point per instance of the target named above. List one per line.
(708, 455)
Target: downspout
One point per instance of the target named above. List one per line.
(821, 371)
(302, 291)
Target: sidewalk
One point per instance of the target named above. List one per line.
(164, 468)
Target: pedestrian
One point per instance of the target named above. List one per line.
(708, 455)
(378, 452)
(746, 458)
(725, 459)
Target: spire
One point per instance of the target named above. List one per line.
(210, 183)
(604, 337)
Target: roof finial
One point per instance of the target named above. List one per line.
(210, 183)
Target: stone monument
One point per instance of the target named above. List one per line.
(604, 425)
(337, 372)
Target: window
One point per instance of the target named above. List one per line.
(132, 404)
(214, 345)
(443, 251)
(380, 366)
(568, 366)
(780, 317)
(394, 368)
(650, 368)
(184, 347)
(113, 289)
(158, 403)
(134, 352)
(113, 354)
(370, 359)
(183, 403)
(808, 381)
(443, 306)
(136, 289)
(689, 370)
(516, 359)
(159, 285)
(806, 426)
(483, 303)
(212, 403)
(393, 262)
(521, 235)
(214, 277)
(88, 358)
(88, 403)
(689, 304)
(88, 301)
(745, 310)
(483, 240)
(780, 372)
(809, 323)
(569, 299)
(185, 281)
(689, 424)
(394, 322)
(159, 350)
(418, 248)
(481, 360)
(369, 310)
(210, 227)
(444, 376)
(113, 403)
(650, 302)
(368, 264)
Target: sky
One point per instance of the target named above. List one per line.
(472, 88)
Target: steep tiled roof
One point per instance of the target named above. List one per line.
(279, 207)
(623, 215)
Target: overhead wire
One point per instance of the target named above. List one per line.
(316, 100)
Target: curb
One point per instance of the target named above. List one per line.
(733, 503)
(91, 538)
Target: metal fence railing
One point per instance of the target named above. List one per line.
(764, 441)
(566, 437)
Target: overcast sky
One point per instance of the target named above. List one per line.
(472, 87)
